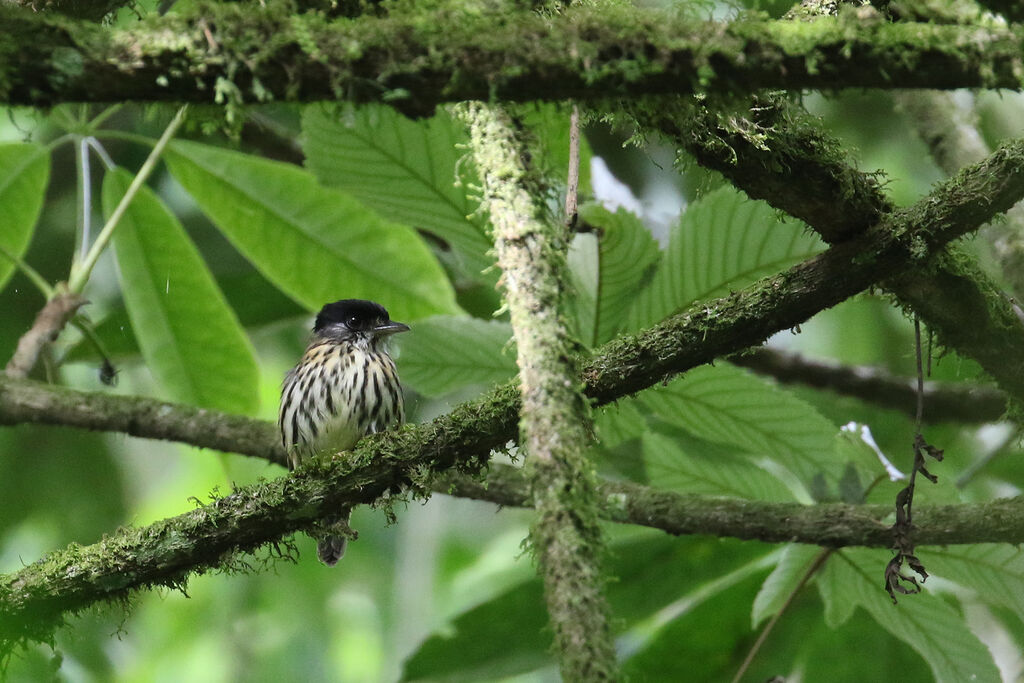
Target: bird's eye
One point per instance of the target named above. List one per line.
(353, 321)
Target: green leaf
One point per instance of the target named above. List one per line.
(722, 242)
(501, 637)
(446, 353)
(188, 334)
(317, 245)
(24, 175)
(686, 464)
(783, 581)
(581, 303)
(730, 406)
(994, 571)
(926, 622)
(408, 171)
(255, 302)
(620, 421)
(708, 622)
(609, 269)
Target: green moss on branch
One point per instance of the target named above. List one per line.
(555, 422)
(831, 525)
(416, 58)
(34, 600)
(772, 150)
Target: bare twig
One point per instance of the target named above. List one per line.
(949, 401)
(572, 186)
(47, 326)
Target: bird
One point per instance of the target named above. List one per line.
(344, 387)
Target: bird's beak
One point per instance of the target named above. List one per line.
(389, 328)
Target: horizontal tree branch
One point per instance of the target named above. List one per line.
(31, 402)
(943, 401)
(417, 58)
(33, 601)
(832, 525)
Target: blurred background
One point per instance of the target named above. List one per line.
(405, 590)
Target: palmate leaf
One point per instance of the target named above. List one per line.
(408, 171)
(722, 241)
(24, 174)
(446, 353)
(730, 406)
(316, 244)
(505, 635)
(994, 571)
(502, 637)
(780, 584)
(853, 578)
(188, 334)
(686, 464)
(609, 269)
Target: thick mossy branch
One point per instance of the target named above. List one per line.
(954, 140)
(831, 525)
(414, 59)
(34, 599)
(953, 402)
(772, 150)
(555, 423)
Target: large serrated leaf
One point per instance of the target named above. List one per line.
(446, 353)
(610, 267)
(408, 171)
(727, 405)
(722, 241)
(501, 637)
(783, 581)
(994, 571)
(926, 622)
(316, 244)
(24, 174)
(188, 335)
(686, 464)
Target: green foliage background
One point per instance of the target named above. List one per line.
(207, 297)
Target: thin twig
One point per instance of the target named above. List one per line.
(895, 580)
(572, 187)
(48, 324)
(960, 402)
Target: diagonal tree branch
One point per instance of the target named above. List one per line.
(772, 150)
(954, 141)
(555, 424)
(443, 53)
(33, 601)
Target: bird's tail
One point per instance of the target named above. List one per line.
(333, 539)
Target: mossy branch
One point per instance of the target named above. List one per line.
(415, 59)
(830, 525)
(772, 150)
(555, 423)
(954, 141)
(34, 599)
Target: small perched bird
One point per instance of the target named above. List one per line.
(344, 388)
